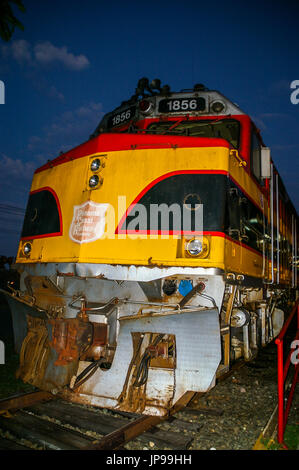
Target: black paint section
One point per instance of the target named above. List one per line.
(42, 215)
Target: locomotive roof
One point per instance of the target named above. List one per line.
(151, 100)
(154, 101)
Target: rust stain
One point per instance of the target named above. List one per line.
(148, 351)
(45, 295)
(101, 276)
(100, 339)
(34, 352)
(70, 337)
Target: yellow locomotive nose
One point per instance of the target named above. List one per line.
(100, 208)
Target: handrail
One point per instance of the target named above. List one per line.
(277, 231)
(282, 371)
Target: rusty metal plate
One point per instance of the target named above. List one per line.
(198, 353)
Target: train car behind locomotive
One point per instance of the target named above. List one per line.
(153, 255)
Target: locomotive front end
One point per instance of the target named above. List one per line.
(119, 298)
(127, 246)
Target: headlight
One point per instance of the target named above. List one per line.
(194, 247)
(145, 106)
(93, 181)
(217, 106)
(199, 247)
(95, 164)
(27, 249)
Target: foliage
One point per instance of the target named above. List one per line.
(291, 439)
(8, 21)
(9, 384)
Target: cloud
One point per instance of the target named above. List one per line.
(19, 50)
(42, 84)
(15, 179)
(15, 168)
(78, 123)
(259, 122)
(67, 130)
(262, 119)
(38, 57)
(33, 142)
(54, 93)
(44, 53)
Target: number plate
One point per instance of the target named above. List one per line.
(122, 117)
(179, 105)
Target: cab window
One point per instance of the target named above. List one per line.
(228, 129)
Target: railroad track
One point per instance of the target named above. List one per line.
(40, 421)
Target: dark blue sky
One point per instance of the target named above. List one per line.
(77, 60)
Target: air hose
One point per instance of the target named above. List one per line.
(142, 369)
(90, 370)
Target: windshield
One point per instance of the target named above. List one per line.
(228, 129)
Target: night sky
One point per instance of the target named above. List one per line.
(77, 60)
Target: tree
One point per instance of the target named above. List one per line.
(8, 21)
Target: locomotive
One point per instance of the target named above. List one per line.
(154, 255)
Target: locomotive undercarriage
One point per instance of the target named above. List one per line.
(118, 340)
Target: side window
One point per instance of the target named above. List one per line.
(251, 225)
(246, 222)
(233, 209)
(255, 155)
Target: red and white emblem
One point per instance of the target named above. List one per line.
(88, 222)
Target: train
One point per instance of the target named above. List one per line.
(154, 255)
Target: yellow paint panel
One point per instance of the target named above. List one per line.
(126, 174)
(247, 182)
(242, 260)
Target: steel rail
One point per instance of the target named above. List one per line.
(17, 402)
(133, 429)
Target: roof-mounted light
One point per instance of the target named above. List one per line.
(165, 90)
(156, 84)
(199, 87)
